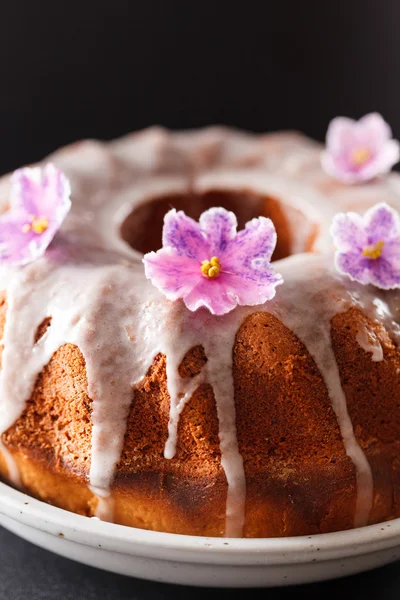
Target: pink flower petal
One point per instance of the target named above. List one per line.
(183, 234)
(384, 274)
(338, 168)
(16, 246)
(354, 265)
(340, 136)
(257, 239)
(41, 193)
(374, 132)
(391, 253)
(347, 138)
(382, 162)
(222, 294)
(257, 284)
(36, 194)
(358, 253)
(218, 226)
(347, 230)
(217, 295)
(173, 274)
(26, 190)
(381, 222)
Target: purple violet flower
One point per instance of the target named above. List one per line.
(40, 201)
(210, 264)
(368, 247)
(358, 151)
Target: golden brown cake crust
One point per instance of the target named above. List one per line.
(299, 479)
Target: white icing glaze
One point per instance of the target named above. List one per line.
(93, 286)
(369, 341)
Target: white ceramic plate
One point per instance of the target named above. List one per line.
(198, 560)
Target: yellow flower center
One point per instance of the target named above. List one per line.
(374, 251)
(37, 224)
(360, 156)
(211, 268)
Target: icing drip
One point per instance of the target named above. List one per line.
(178, 402)
(219, 373)
(370, 342)
(217, 336)
(105, 505)
(322, 297)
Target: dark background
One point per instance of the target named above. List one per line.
(30, 573)
(70, 70)
(102, 68)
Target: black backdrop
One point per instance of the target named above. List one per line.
(101, 68)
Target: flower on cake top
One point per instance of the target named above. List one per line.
(368, 247)
(39, 203)
(210, 264)
(358, 151)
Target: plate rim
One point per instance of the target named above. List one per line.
(186, 548)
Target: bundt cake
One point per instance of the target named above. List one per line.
(273, 420)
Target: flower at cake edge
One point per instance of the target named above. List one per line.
(39, 202)
(368, 246)
(358, 151)
(209, 264)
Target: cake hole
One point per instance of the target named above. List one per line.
(41, 330)
(142, 229)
